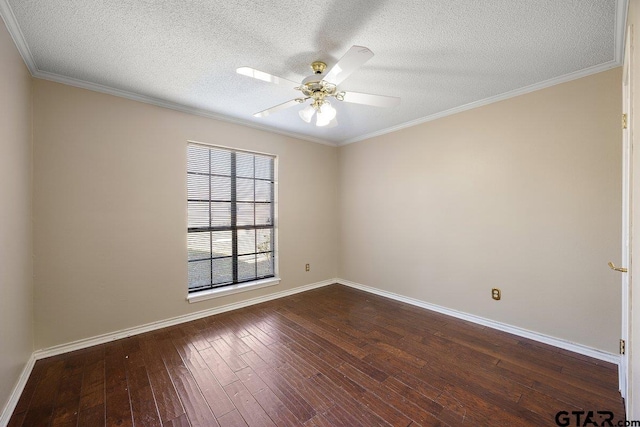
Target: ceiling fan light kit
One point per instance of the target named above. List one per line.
(320, 86)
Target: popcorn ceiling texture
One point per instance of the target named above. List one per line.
(435, 55)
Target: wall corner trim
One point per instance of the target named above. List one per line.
(11, 404)
(524, 333)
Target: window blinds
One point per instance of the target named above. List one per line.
(230, 234)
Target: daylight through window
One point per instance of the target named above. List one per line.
(230, 217)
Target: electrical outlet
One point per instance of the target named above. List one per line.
(495, 294)
(306, 267)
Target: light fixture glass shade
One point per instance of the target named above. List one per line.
(307, 113)
(326, 114)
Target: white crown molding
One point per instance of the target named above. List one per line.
(11, 404)
(18, 38)
(70, 81)
(16, 34)
(620, 31)
(525, 333)
(12, 25)
(511, 94)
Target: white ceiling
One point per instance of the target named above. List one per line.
(440, 57)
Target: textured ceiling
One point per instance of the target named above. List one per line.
(438, 56)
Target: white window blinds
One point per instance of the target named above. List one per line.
(230, 217)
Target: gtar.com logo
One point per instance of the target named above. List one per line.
(590, 418)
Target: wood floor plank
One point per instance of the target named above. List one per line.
(247, 405)
(41, 407)
(223, 373)
(232, 419)
(332, 356)
(68, 399)
(195, 405)
(143, 404)
(91, 409)
(282, 389)
(164, 392)
(229, 355)
(211, 389)
(117, 399)
(181, 421)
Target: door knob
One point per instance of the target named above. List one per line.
(620, 269)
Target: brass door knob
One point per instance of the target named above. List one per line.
(620, 269)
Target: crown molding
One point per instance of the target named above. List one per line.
(511, 94)
(620, 31)
(16, 34)
(70, 81)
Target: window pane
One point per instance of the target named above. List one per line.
(263, 214)
(197, 159)
(246, 241)
(198, 214)
(246, 267)
(198, 187)
(220, 188)
(199, 245)
(199, 274)
(264, 239)
(265, 264)
(244, 190)
(222, 244)
(220, 162)
(263, 191)
(245, 213)
(264, 167)
(220, 214)
(244, 165)
(222, 271)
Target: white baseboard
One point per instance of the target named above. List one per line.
(104, 338)
(112, 336)
(535, 336)
(124, 333)
(7, 411)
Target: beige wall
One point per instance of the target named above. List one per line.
(110, 211)
(523, 195)
(16, 272)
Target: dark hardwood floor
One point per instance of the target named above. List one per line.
(333, 356)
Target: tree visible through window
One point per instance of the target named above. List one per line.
(230, 217)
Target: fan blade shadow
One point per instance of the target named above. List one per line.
(342, 22)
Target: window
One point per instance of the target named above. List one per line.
(230, 232)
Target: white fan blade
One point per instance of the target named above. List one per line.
(369, 99)
(266, 77)
(351, 61)
(269, 111)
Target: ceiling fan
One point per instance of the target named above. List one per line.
(320, 86)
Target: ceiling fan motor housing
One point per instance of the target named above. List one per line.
(318, 67)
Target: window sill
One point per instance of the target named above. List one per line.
(230, 290)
